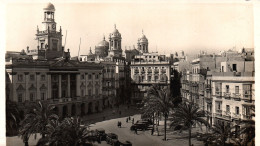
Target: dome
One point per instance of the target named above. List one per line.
(103, 43)
(143, 38)
(50, 7)
(115, 33)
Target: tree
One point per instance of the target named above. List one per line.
(220, 132)
(12, 118)
(186, 115)
(36, 120)
(161, 98)
(68, 132)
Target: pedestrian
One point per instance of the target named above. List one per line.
(135, 130)
(129, 118)
(118, 124)
(126, 120)
(152, 131)
(133, 121)
(157, 130)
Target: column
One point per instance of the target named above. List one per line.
(59, 86)
(153, 74)
(78, 85)
(69, 86)
(49, 86)
(26, 97)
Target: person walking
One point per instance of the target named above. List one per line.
(133, 121)
(126, 120)
(152, 131)
(135, 130)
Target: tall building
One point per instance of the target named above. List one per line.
(50, 76)
(222, 85)
(148, 69)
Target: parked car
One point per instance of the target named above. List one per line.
(126, 143)
(111, 138)
(101, 134)
(139, 126)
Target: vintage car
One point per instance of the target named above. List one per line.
(101, 134)
(112, 138)
(139, 126)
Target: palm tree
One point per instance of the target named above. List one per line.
(220, 132)
(160, 97)
(68, 132)
(36, 120)
(186, 115)
(12, 117)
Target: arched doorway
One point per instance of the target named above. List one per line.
(90, 108)
(73, 110)
(64, 111)
(82, 109)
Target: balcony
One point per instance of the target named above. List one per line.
(201, 92)
(218, 113)
(143, 71)
(136, 71)
(149, 71)
(163, 70)
(237, 96)
(227, 114)
(218, 94)
(236, 116)
(227, 95)
(156, 71)
(208, 87)
(247, 117)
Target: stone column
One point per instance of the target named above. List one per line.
(59, 86)
(49, 86)
(69, 86)
(153, 74)
(78, 85)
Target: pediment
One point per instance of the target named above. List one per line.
(32, 87)
(20, 88)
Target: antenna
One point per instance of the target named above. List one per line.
(79, 46)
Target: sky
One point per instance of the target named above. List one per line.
(169, 26)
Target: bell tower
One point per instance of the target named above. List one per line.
(49, 40)
(115, 43)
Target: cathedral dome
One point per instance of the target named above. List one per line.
(115, 33)
(103, 43)
(143, 38)
(50, 7)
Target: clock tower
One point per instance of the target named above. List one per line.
(49, 39)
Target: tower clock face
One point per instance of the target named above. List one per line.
(53, 26)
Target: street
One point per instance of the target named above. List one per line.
(142, 138)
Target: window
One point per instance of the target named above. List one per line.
(237, 89)
(42, 96)
(227, 108)
(97, 76)
(237, 110)
(234, 66)
(89, 77)
(82, 77)
(20, 97)
(31, 96)
(149, 78)
(222, 68)
(42, 77)
(97, 92)
(20, 77)
(32, 77)
(82, 92)
(89, 92)
(247, 90)
(227, 88)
